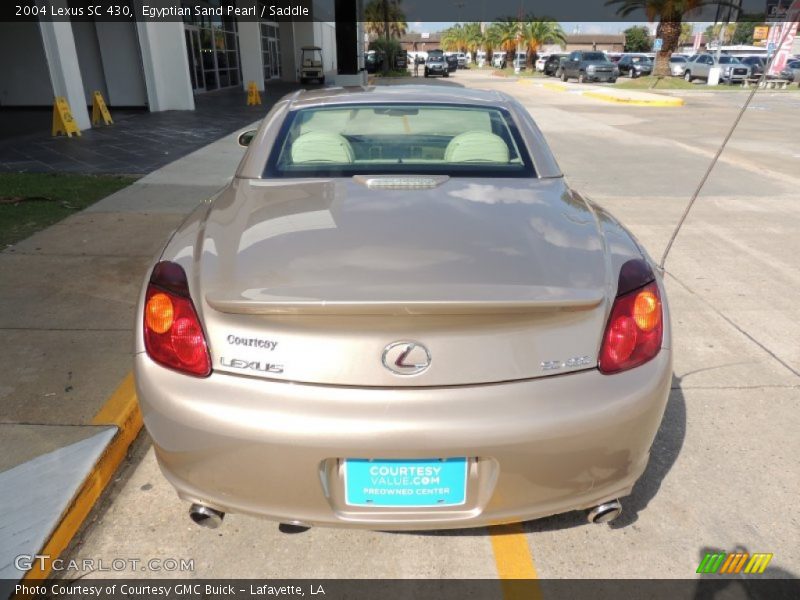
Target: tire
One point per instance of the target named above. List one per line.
(581, 78)
(564, 75)
(322, 80)
(687, 76)
(632, 73)
(447, 74)
(613, 80)
(303, 81)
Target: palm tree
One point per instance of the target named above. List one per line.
(473, 38)
(453, 38)
(670, 14)
(505, 34)
(379, 13)
(539, 31)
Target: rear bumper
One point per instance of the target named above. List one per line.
(537, 447)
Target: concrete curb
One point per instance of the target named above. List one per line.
(121, 410)
(659, 102)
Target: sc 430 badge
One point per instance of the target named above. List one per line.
(251, 365)
(570, 363)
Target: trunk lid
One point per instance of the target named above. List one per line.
(311, 280)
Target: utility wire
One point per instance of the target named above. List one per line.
(721, 148)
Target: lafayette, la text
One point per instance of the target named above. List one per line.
(195, 589)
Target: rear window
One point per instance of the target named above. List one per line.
(594, 56)
(347, 140)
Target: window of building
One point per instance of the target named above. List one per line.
(212, 45)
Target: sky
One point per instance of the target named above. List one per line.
(569, 27)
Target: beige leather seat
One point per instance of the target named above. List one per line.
(321, 147)
(476, 146)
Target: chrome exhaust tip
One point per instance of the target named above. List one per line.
(605, 513)
(292, 527)
(206, 516)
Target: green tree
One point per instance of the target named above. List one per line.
(537, 32)
(670, 14)
(505, 34)
(637, 39)
(687, 34)
(385, 17)
(388, 48)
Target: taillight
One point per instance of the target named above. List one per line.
(634, 331)
(173, 336)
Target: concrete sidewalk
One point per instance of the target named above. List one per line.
(67, 310)
(607, 94)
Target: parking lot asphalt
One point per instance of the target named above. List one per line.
(723, 471)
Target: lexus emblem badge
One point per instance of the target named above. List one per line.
(406, 358)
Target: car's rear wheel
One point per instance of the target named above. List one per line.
(581, 78)
(687, 75)
(564, 75)
(632, 73)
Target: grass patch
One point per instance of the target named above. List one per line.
(679, 83)
(29, 202)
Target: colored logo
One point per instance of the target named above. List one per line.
(722, 563)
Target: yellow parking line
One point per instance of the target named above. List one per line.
(121, 409)
(514, 561)
(660, 102)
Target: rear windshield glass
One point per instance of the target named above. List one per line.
(346, 140)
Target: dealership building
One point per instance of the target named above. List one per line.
(163, 64)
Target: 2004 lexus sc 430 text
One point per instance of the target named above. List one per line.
(399, 316)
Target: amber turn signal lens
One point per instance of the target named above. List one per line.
(159, 313)
(646, 311)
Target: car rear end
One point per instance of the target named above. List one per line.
(403, 352)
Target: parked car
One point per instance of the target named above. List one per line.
(373, 61)
(499, 60)
(553, 64)
(436, 65)
(520, 61)
(462, 60)
(542, 58)
(677, 65)
(480, 57)
(452, 62)
(731, 70)
(635, 65)
(428, 380)
(589, 66)
(791, 71)
(757, 64)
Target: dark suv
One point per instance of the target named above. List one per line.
(635, 65)
(589, 66)
(552, 66)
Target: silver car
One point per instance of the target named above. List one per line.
(731, 69)
(398, 315)
(677, 65)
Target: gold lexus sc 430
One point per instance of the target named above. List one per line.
(398, 315)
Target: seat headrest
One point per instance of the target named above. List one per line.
(477, 146)
(322, 147)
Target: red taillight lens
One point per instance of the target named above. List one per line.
(173, 336)
(634, 332)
